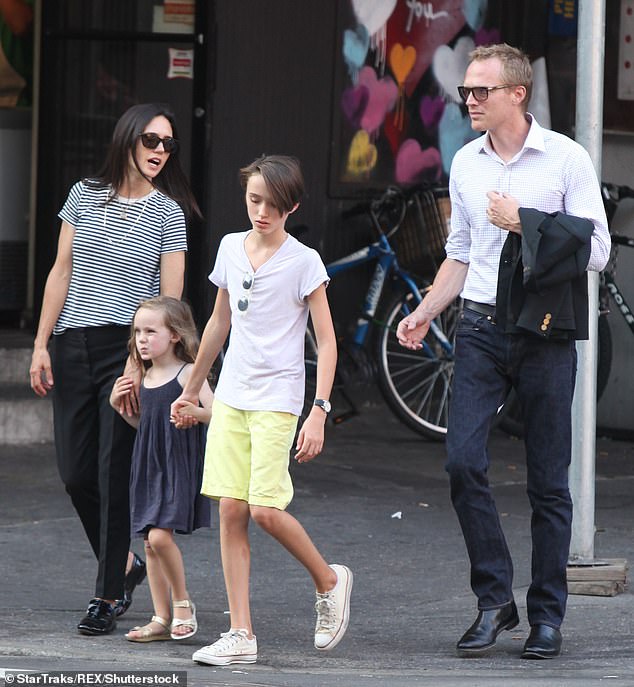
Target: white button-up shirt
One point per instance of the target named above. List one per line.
(551, 173)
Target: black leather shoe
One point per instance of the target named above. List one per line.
(488, 625)
(100, 618)
(135, 576)
(543, 641)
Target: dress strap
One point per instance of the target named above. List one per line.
(183, 366)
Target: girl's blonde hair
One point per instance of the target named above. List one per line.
(177, 316)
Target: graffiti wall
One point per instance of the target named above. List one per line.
(398, 116)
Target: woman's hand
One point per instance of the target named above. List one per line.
(41, 372)
(122, 388)
(129, 403)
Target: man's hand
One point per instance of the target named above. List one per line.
(412, 330)
(503, 211)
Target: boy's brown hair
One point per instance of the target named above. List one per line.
(283, 177)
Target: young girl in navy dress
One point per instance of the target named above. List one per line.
(167, 462)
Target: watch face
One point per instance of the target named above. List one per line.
(324, 405)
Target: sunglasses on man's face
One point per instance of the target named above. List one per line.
(151, 141)
(480, 93)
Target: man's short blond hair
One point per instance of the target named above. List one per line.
(516, 67)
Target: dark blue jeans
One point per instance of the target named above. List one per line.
(488, 363)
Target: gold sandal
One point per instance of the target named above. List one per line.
(148, 634)
(190, 622)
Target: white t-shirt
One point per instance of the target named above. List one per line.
(264, 365)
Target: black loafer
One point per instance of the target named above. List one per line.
(135, 576)
(100, 619)
(484, 631)
(543, 641)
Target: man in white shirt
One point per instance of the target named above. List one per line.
(516, 164)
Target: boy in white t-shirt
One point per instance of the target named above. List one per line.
(267, 284)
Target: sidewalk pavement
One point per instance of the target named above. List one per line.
(376, 500)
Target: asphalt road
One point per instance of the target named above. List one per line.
(376, 500)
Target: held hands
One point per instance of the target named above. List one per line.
(181, 412)
(503, 211)
(41, 373)
(310, 440)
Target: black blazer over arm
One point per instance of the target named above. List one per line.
(542, 279)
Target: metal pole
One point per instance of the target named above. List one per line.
(589, 129)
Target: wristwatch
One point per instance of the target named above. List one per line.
(324, 405)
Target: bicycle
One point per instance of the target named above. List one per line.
(510, 416)
(415, 384)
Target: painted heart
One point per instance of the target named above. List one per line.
(414, 164)
(396, 132)
(354, 102)
(435, 24)
(401, 61)
(355, 48)
(373, 14)
(430, 110)
(475, 12)
(362, 155)
(450, 64)
(382, 98)
(487, 36)
(454, 131)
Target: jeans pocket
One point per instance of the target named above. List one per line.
(471, 321)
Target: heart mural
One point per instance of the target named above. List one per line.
(450, 64)
(412, 163)
(354, 102)
(454, 131)
(382, 94)
(430, 110)
(362, 155)
(475, 12)
(355, 48)
(427, 31)
(373, 14)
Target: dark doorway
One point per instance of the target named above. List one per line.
(98, 58)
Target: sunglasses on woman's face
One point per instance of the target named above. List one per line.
(151, 141)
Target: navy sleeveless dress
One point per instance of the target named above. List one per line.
(167, 467)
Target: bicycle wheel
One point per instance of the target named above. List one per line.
(417, 384)
(510, 416)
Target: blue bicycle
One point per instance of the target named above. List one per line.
(416, 384)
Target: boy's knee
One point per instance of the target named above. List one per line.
(264, 516)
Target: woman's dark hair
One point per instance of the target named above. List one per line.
(171, 180)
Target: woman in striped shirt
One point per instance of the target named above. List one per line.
(122, 240)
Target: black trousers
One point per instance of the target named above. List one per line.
(94, 444)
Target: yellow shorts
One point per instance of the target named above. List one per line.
(247, 456)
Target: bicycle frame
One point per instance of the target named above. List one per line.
(386, 264)
(616, 294)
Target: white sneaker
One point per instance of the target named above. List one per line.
(232, 647)
(333, 611)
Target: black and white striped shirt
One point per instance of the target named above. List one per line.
(116, 254)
